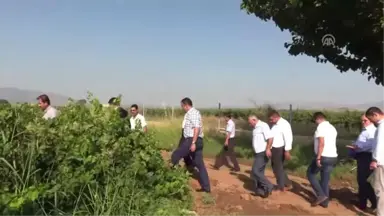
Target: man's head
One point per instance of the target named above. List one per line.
(186, 104)
(319, 117)
(252, 120)
(134, 109)
(374, 114)
(273, 116)
(43, 101)
(365, 122)
(227, 116)
(113, 101)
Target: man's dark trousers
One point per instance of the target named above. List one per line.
(197, 158)
(262, 185)
(366, 191)
(230, 152)
(278, 168)
(187, 159)
(321, 188)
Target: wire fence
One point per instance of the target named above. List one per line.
(299, 126)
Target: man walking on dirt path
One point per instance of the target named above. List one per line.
(192, 144)
(326, 158)
(362, 149)
(281, 145)
(261, 139)
(229, 146)
(376, 115)
(45, 104)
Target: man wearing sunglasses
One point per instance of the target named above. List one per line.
(137, 120)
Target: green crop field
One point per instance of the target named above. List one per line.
(85, 162)
(347, 122)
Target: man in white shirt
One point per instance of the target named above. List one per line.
(282, 144)
(325, 150)
(229, 146)
(376, 115)
(137, 120)
(193, 143)
(45, 105)
(363, 155)
(261, 139)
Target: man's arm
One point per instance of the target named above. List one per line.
(144, 124)
(320, 134)
(365, 142)
(378, 150)
(196, 122)
(288, 137)
(320, 147)
(268, 136)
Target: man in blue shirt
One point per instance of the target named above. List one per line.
(363, 154)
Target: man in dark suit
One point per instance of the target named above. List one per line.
(114, 102)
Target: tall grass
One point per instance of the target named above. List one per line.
(84, 162)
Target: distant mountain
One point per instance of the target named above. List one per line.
(365, 106)
(299, 105)
(15, 95)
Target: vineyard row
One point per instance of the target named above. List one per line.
(298, 116)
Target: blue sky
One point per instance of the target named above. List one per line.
(160, 51)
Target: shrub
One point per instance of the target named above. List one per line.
(85, 162)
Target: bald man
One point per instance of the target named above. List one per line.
(262, 138)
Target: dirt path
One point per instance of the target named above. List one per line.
(231, 195)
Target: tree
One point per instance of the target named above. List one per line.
(3, 101)
(82, 101)
(356, 25)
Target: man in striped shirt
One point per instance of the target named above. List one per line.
(193, 143)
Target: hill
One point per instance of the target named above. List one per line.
(15, 95)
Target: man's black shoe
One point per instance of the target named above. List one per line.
(235, 170)
(203, 190)
(319, 200)
(266, 194)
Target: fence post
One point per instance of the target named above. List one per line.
(143, 110)
(290, 113)
(219, 118)
(173, 110)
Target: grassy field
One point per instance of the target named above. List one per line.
(167, 133)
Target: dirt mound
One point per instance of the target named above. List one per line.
(231, 195)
